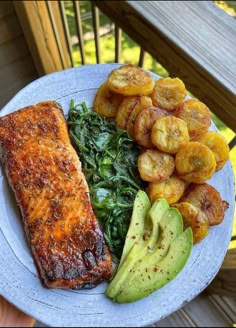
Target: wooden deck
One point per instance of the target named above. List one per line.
(203, 311)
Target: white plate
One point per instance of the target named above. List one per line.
(19, 282)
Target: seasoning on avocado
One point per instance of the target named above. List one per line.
(146, 269)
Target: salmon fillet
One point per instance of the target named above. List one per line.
(46, 177)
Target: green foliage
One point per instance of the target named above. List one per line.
(228, 6)
(130, 49)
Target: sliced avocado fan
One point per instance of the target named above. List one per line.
(143, 243)
(155, 257)
(159, 274)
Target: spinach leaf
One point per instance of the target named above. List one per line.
(109, 162)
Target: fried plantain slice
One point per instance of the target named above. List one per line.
(195, 162)
(218, 144)
(168, 93)
(131, 80)
(206, 198)
(144, 102)
(143, 125)
(106, 102)
(196, 114)
(171, 189)
(169, 133)
(155, 166)
(124, 111)
(195, 218)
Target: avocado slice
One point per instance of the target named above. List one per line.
(150, 235)
(171, 225)
(140, 210)
(154, 276)
(144, 245)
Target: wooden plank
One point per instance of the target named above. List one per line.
(177, 319)
(205, 314)
(200, 312)
(55, 17)
(18, 70)
(141, 57)
(96, 28)
(224, 284)
(16, 65)
(226, 305)
(232, 143)
(66, 31)
(193, 40)
(230, 260)
(9, 28)
(118, 34)
(13, 50)
(230, 305)
(76, 5)
(225, 281)
(6, 8)
(38, 31)
(9, 91)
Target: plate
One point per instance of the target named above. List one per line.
(91, 308)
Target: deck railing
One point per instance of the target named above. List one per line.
(193, 40)
(165, 31)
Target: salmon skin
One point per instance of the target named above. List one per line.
(45, 174)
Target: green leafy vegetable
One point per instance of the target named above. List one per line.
(109, 161)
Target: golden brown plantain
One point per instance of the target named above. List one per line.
(195, 218)
(130, 80)
(171, 189)
(195, 162)
(218, 144)
(196, 114)
(169, 133)
(106, 101)
(208, 200)
(155, 166)
(168, 93)
(144, 102)
(124, 111)
(143, 125)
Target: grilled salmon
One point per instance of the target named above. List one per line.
(45, 174)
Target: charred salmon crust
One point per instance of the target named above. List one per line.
(46, 177)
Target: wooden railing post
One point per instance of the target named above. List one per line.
(35, 20)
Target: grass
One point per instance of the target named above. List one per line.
(130, 54)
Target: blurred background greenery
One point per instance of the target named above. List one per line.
(130, 51)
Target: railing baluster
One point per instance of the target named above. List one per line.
(66, 31)
(118, 33)
(55, 31)
(232, 143)
(141, 57)
(79, 30)
(96, 25)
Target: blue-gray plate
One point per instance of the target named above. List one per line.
(19, 282)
